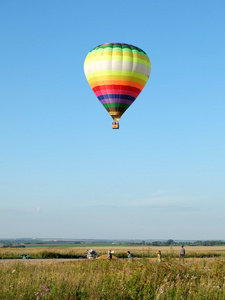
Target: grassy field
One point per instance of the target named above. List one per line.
(96, 279)
(143, 278)
(140, 251)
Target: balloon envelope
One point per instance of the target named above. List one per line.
(117, 73)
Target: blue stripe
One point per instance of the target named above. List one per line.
(116, 96)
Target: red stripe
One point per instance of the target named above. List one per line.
(126, 90)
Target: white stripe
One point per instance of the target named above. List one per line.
(117, 65)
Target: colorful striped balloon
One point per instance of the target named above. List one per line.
(117, 73)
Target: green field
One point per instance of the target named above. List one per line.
(143, 278)
(96, 279)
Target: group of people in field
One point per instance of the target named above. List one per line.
(159, 255)
(129, 255)
(181, 255)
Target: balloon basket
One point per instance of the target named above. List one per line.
(115, 125)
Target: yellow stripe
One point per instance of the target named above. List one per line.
(140, 61)
(108, 79)
(114, 112)
(117, 56)
(116, 74)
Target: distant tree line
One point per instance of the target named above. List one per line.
(10, 245)
(171, 242)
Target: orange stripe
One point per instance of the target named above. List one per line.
(109, 78)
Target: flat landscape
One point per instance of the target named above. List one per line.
(139, 251)
(200, 276)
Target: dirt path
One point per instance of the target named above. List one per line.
(72, 260)
(34, 260)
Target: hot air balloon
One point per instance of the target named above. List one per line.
(117, 73)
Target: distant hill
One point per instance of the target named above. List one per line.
(148, 242)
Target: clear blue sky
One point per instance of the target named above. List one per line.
(64, 172)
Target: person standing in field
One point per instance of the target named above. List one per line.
(182, 253)
(130, 256)
(109, 255)
(159, 257)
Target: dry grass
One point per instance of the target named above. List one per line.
(140, 250)
(100, 279)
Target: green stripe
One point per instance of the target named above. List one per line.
(127, 47)
(136, 52)
(120, 105)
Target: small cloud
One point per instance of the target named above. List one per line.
(36, 210)
(21, 211)
(159, 201)
(179, 203)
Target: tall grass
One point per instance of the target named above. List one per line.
(141, 279)
(145, 252)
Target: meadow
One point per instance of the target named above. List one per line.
(120, 251)
(143, 278)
